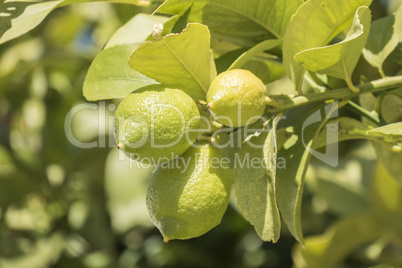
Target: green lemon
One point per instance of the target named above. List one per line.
(156, 124)
(236, 98)
(188, 196)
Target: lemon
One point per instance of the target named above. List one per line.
(156, 124)
(188, 200)
(236, 98)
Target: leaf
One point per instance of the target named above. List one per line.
(135, 30)
(347, 128)
(295, 149)
(314, 25)
(254, 184)
(390, 159)
(248, 55)
(386, 199)
(391, 133)
(384, 36)
(245, 23)
(110, 75)
(329, 249)
(184, 61)
(19, 17)
(339, 60)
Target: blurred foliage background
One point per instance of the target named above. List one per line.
(65, 206)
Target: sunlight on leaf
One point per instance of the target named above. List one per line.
(339, 60)
(242, 22)
(179, 60)
(384, 36)
(254, 185)
(314, 25)
(110, 75)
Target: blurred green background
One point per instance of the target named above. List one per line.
(65, 206)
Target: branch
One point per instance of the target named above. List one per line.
(280, 103)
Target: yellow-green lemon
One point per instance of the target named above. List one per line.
(156, 124)
(236, 98)
(188, 196)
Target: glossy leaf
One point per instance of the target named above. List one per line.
(110, 76)
(384, 36)
(19, 17)
(391, 133)
(314, 25)
(339, 60)
(295, 148)
(179, 60)
(135, 30)
(243, 22)
(254, 184)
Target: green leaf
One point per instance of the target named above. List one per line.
(110, 75)
(135, 30)
(179, 60)
(243, 22)
(254, 184)
(386, 199)
(391, 133)
(329, 249)
(384, 36)
(339, 60)
(248, 55)
(19, 17)
(348, 129)
(390, 159)
(314, 25)
(294, 148)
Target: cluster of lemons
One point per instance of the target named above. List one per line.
(160, 124)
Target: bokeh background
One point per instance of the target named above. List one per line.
(64, 206)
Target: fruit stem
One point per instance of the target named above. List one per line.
(280, 103)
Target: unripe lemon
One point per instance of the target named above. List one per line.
(156, 124)
(188, 201)
(236, 98)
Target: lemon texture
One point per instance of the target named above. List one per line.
(236, 98)
(156, 124)
(186, 202)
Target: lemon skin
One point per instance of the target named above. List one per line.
(156, 124)
(236, 98)
(188, 202)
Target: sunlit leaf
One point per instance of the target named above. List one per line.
(295, 149)
(243, 22)
(135, 30)
(314, 25)
(384, 36)
(110, 75)
(389, 133)
(254, 185)
(339, 60)
(179, 60)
